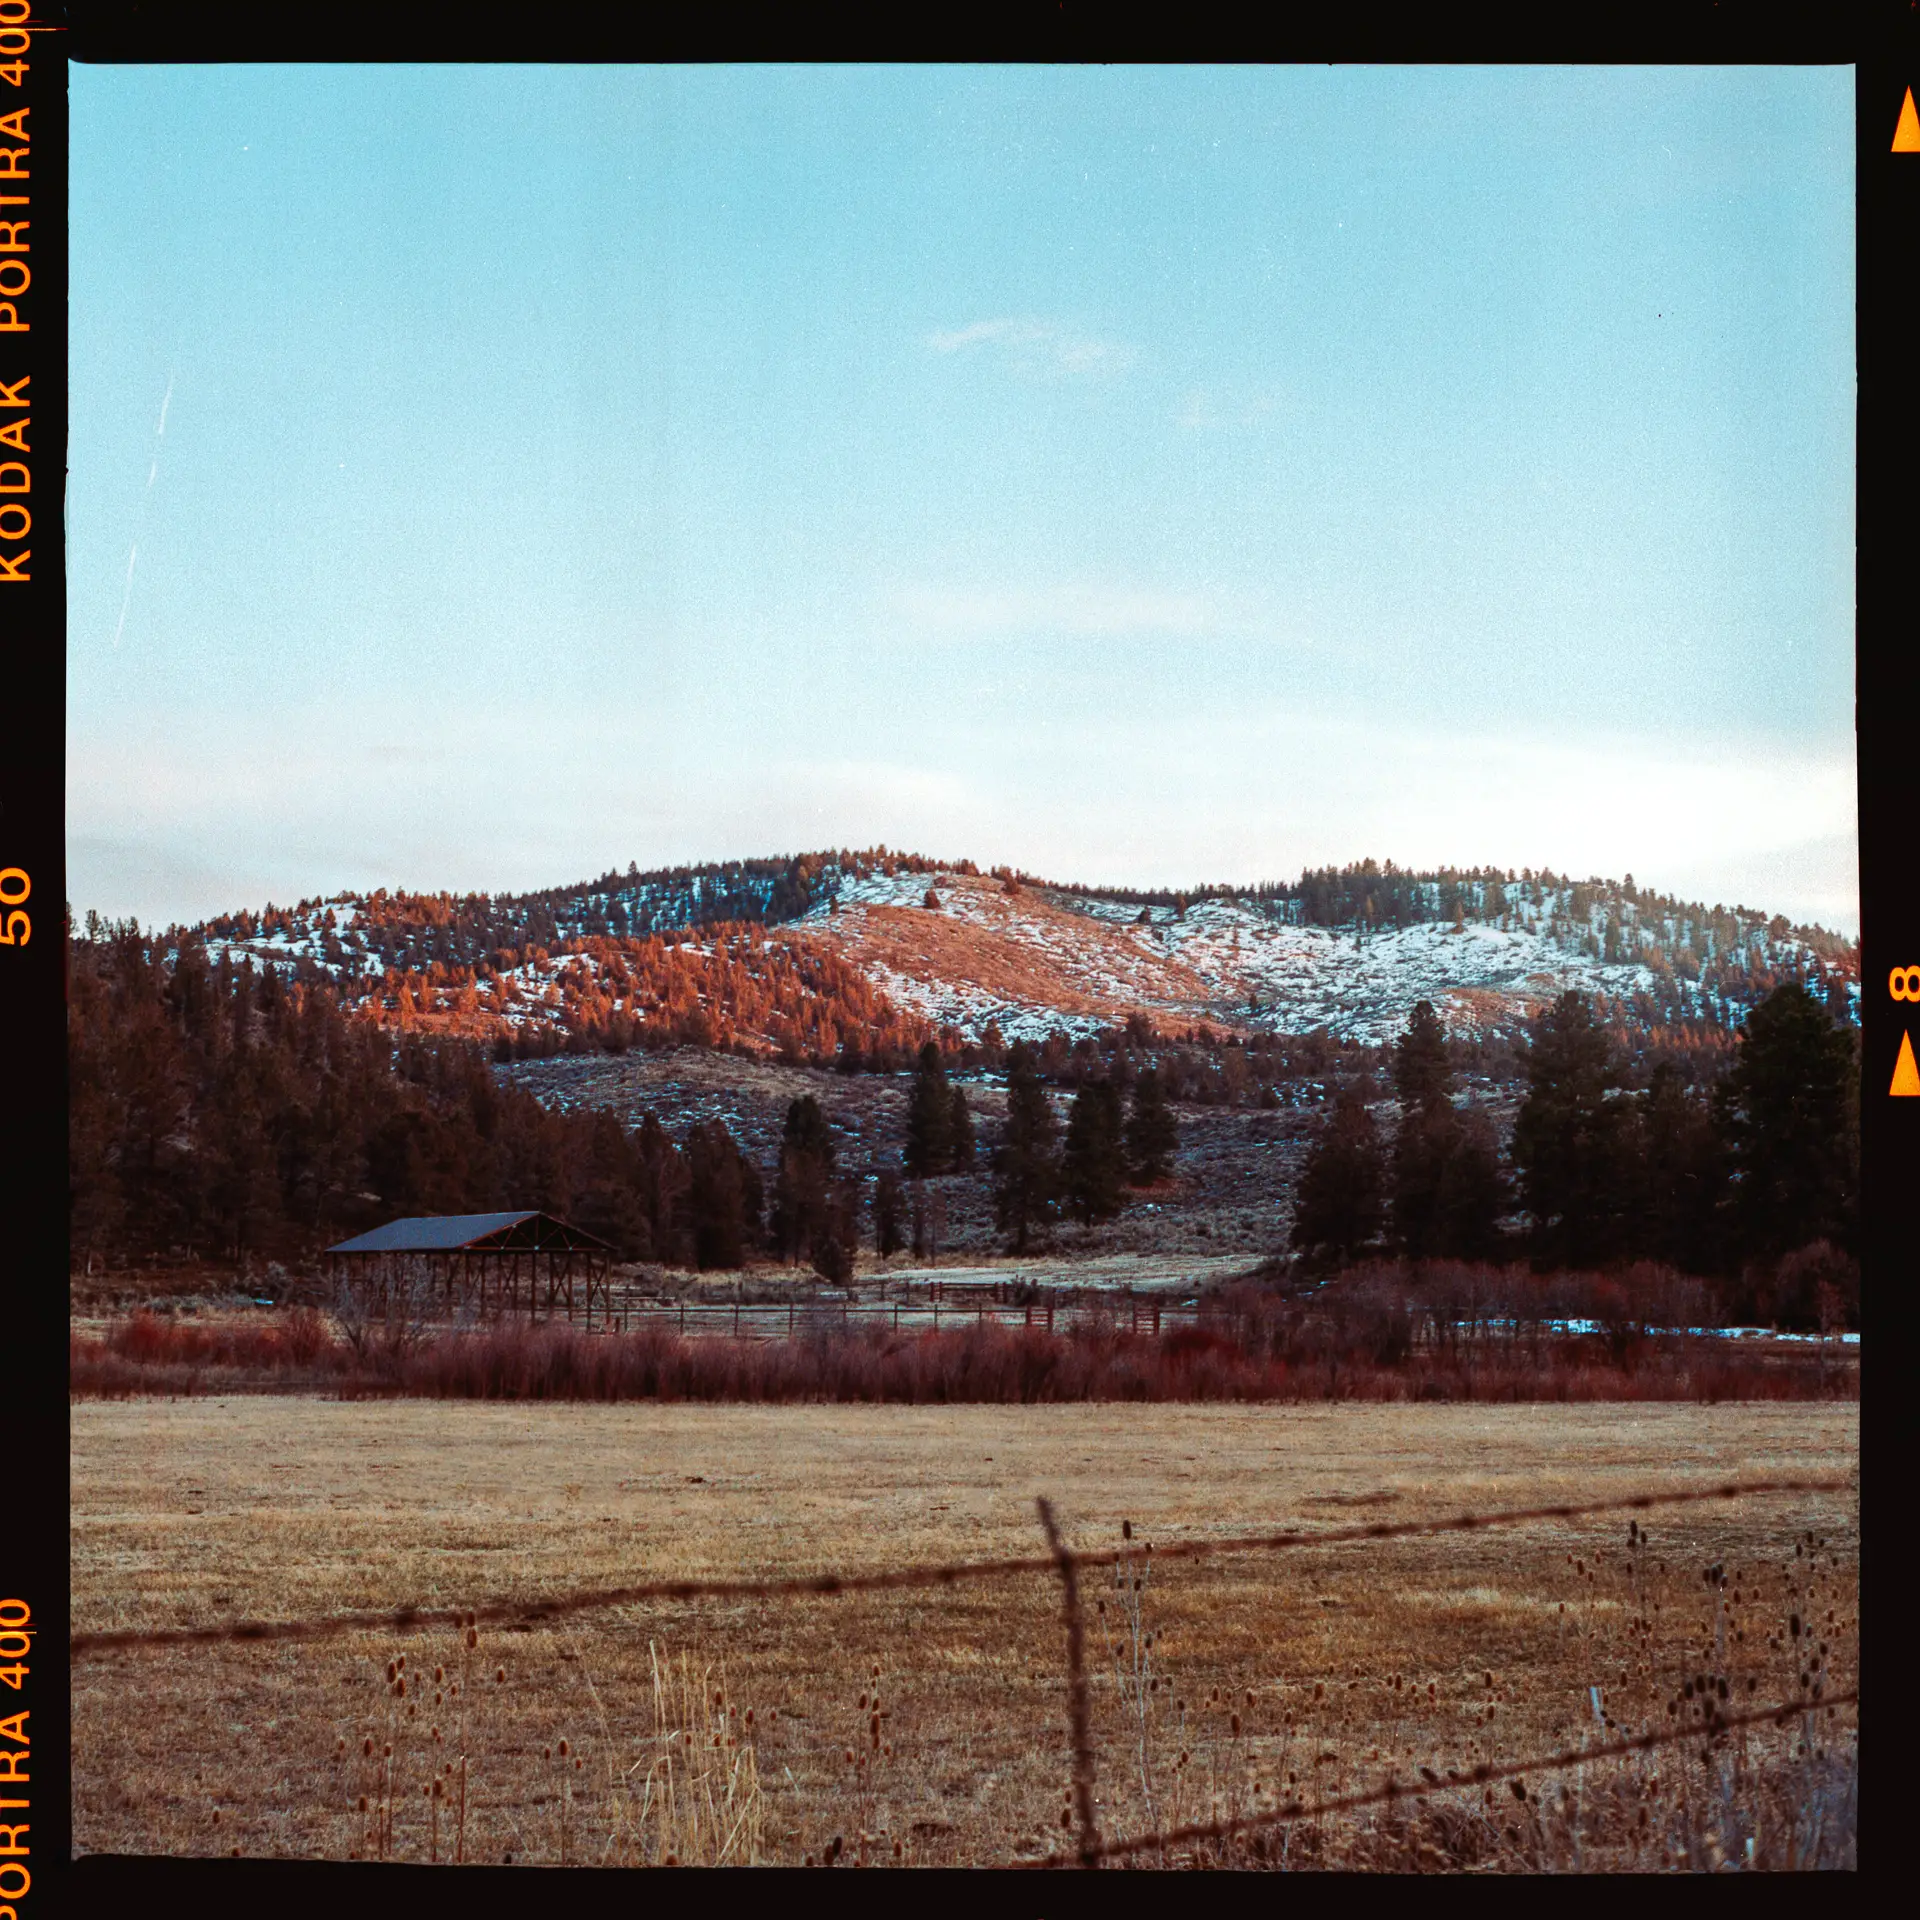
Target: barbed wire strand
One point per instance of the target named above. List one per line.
(1479, 1776)
(534, 1613)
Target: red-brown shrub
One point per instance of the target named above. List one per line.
(1441, 1332)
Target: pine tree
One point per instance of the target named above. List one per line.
(960, 1133)
(1684, 1176)
(1422, 1074)
(1572, 1143)
(1423, 1146)
(929, 1149)
(806, 1130)
(800, 1190)
(661, 1176)
(1789, 1111)
(720, 1214)
(888, 1200)
(1473, 1191)
(1026, 1170)
(1446, 1190)
(1093, 1165)
(838, 1239)
(1342, 1186)
(1153, 1135)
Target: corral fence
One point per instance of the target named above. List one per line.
(762, 1312)
(1705, 1722)
(930, 1306)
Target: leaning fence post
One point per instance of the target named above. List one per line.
(1076, 1692)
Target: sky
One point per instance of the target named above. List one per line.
(482, 477)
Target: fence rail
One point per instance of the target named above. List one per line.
(934, 1311)
(938, 1306)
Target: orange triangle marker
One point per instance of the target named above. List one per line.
(1906, 136)
(1906, 1074)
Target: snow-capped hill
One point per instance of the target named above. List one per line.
(1030, 960)
(820, 953)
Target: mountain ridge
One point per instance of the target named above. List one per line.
(813, 955)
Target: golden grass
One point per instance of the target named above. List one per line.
(926, 1726)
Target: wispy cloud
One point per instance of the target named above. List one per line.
(1038, 347)
(1079, 609)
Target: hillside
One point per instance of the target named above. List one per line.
(830, 953)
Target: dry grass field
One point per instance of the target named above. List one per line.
(929, 1726)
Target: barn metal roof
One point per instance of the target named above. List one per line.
(470, 1232)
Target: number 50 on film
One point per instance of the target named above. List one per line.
(14, 889)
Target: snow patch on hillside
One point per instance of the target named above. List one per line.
(1220, 961)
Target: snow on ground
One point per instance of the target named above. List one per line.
(1033, 961)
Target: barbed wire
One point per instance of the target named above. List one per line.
(1482, 1775)
(534, 1613)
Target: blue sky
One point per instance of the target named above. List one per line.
(1144, 475)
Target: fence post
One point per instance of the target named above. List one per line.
(1076, 1691)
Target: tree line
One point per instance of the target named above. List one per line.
(1732, 1180)
(221, 1109)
